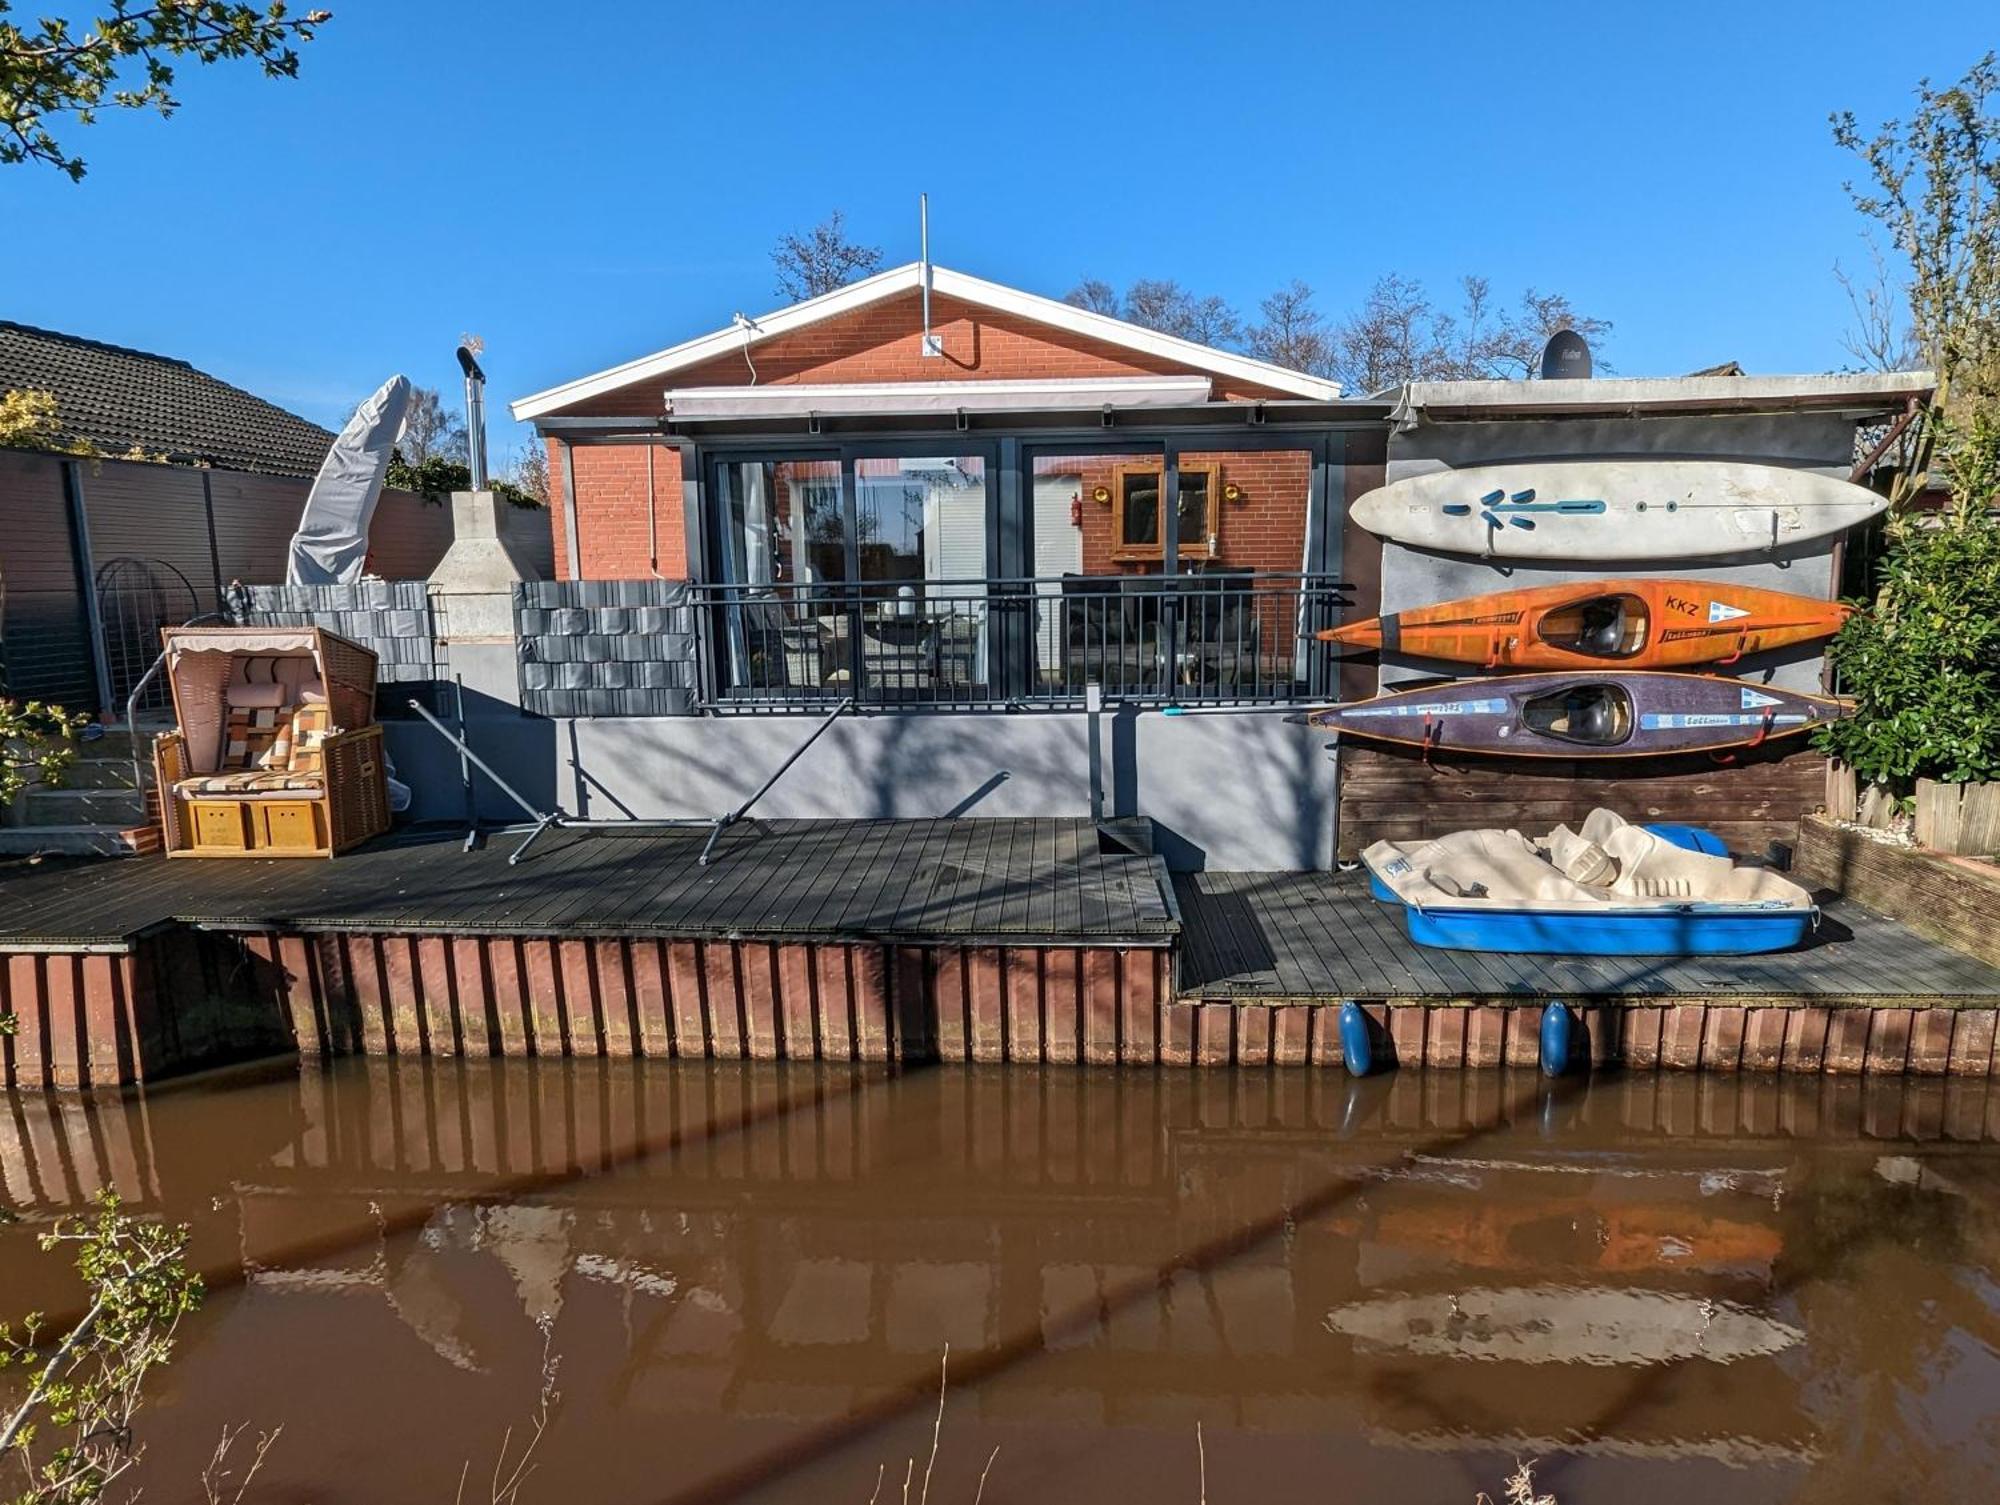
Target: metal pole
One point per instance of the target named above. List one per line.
(570, 525)
(465, 767)
(475, 416)
(932, 345)
(466, 752)
(724, 822)
(1093, 705)
(132, 705)
(86, 570)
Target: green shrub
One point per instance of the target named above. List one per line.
(1922, 662)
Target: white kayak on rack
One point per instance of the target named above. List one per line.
(1605, 510)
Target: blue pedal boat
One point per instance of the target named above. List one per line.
(1761, 913)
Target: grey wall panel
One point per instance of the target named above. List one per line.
(606, 647)
(1412, 577)
(1245, 792)
(392, 617)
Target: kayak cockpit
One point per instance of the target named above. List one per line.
(1594, 715)
(1614, 626)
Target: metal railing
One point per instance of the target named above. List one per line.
(1215, 638)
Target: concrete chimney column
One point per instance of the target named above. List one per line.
(472, 595)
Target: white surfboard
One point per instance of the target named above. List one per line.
(1605, 510)
(1564, 1325)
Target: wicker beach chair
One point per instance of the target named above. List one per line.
(276, 752)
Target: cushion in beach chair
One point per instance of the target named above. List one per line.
(249, 783)
(249, 736)
(311, 725)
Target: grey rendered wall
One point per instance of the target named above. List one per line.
(1242, 792)
(1817, 442)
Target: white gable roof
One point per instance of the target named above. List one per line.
(950, 284)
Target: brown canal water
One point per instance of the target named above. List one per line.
(1667, 1289)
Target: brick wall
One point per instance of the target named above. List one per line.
(1264, 529)
(612, 524)
(881, 343)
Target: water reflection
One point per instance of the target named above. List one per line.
(1761, 1289)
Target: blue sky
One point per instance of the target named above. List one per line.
(584, 183)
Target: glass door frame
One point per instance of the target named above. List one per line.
(713, 456)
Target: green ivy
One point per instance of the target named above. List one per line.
(437, 478)
(1922, 662)
(37, 745)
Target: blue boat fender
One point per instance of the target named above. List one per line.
(1557, 1029)
(1355, 1047)
(1689, 838)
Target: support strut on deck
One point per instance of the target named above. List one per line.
(540, 820)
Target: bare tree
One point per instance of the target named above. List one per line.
(431, 431)
(1542, 315)
(821, 260)
(1163, 304)
(1210, 321)
(1293, 333)
(1880, 337)
(1399, 334)
(1392, 337)
(1157, 303)
(1097, 295)
(531, 471)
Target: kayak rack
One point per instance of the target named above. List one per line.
(559, 819)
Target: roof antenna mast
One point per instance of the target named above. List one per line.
(933, 345)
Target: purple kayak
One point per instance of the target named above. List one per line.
(1630, 715)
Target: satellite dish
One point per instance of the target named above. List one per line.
(1565, 355)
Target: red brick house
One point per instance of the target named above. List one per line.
(860, 353)
(929, 438)
(927, 492)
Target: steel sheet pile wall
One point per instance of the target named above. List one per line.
(606, 647)
(190, 998)
(180, 1000)
(538, 996)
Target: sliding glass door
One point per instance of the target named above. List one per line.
(862, 572)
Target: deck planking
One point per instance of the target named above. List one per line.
(929, 880)
(1296, 936)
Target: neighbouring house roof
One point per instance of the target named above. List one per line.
(947, 283)
(120, 399)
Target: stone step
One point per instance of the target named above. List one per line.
(116, 742)
(105, 773)
(83, 807)
(78, 841)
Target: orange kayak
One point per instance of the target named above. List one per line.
(1637, 624)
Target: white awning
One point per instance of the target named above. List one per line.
(1088, 394)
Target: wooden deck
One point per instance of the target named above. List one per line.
(1297, 936)
(963, 881)
(949, 940)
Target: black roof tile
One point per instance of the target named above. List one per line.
(117, 398)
